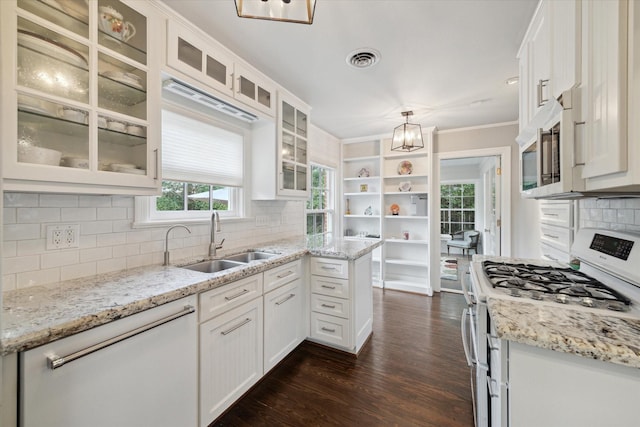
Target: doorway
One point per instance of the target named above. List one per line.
(470, 211)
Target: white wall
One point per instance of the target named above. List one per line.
(525, 217)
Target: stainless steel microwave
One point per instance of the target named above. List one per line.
(548, 166)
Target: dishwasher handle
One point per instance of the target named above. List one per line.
(54, 361)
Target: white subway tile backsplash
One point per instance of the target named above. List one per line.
(58, 201)
(21, 231)
(78, 214)
(617, 203)
(625, 216)
(94, 201)
(609, 215)
(108, 243)
(76, 271)
(17, 200)
(614, 214)
(20, 264)
(60, 258)
(111, 213)
(37, 278)
(37, 215)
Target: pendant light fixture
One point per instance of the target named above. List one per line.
(297, 11)
(407, 136)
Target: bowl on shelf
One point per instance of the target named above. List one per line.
(75, 162)
(116, 125)
(135, 130)
(38, 155)
(102, 122)
(73, 114)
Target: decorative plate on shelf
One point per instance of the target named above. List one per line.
(405, 167)
(364, 173)
(405, 186)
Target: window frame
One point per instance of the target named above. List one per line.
(145, 213)
(476, 204)
(330, 209)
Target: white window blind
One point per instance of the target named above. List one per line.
(196, 151)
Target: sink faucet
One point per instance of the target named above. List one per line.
(215, 226)
(166, 242)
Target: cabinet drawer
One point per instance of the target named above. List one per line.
(219, 300)
(554, 254)
(330, 305)
(557, 237)
(330, 267)
(330, 329)
(556, 214)
(280, 275)
(329, 286)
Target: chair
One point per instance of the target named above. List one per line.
(465, 240)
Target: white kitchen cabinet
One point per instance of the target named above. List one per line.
(282, 171)
(557, 227)
(604, 88)
(254, 90)
(341, 313)
(199, 57)
(80, 103)
(283, 322)
(549, 56)
(231, 357)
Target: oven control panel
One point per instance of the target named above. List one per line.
(619, 248)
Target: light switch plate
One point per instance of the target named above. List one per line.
(63, 236)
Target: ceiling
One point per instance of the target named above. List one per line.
(447, 60)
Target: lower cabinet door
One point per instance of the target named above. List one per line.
(283, 310)
(231, 355)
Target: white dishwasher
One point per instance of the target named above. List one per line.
(134, 372)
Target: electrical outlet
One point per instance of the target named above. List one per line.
(262, 220)
(63, 236)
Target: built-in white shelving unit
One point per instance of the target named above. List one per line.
(373, 179)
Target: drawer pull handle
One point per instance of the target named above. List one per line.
(328, 287)
(551, 236)
(239, 294)
(233, 328)
(54, 361)
(326, 267)
(327, 305)
(285, 299)
(551, 214)
(288, 273)
(327, 329)
(550, 257)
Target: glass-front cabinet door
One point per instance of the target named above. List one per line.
(77, 113)
(293, 119)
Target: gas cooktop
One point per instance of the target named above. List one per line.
(552, 283)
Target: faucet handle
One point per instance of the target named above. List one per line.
(219, 245)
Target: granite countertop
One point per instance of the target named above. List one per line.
(584, 333)
(37, 315)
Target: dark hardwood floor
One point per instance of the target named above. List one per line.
(411, 373)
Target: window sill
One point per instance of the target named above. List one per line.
(198, 221)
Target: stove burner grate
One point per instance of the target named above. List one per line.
(562, 285)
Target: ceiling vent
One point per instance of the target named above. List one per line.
(208, 100)
(363, 58)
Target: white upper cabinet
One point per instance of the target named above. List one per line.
(604, 89)
(199, 58)
(81, 89)
(204, 60)
(549, 56)
(281, 164)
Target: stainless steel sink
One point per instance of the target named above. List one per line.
(249, 256)
(213, 266)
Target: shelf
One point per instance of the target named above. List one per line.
(363, 193)
(360, 238)
(362, 216)
(122, 47)
(407, 242)
(360, 159)
(405, 176)
(417, 153)
(120, 93)
(364, 178)
(422, 264)
(421, 217)
(402, 193)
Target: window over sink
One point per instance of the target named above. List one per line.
(202, 169)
